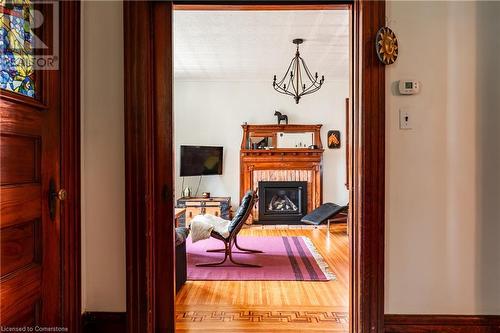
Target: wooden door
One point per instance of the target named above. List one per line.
(30, 247)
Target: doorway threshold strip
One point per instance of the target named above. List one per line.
(263, 316)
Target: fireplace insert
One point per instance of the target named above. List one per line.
(283, 202)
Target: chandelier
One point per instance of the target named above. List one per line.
(293, 82)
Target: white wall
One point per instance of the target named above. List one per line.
(442, 177)
(103, 163)
(211, 113)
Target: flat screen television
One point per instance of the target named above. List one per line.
(201, 161)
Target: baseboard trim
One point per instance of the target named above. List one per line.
(441, 323)
(104, 322)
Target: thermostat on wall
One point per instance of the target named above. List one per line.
(409, 87)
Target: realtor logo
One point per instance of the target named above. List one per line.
(29, 36)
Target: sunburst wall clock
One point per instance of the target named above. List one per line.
(386, 45)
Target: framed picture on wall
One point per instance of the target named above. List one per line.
(333, 139)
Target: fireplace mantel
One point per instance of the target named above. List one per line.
(282, 164)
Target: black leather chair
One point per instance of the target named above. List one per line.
(323, 213)
(235, 226)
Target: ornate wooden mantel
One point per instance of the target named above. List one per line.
(282, 164)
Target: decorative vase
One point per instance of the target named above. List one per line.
(187, 192)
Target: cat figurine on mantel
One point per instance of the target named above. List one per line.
(281, 117)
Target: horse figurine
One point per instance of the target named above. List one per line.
(281, 117)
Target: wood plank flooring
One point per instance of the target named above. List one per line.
(277, 306)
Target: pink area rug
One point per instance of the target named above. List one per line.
(284, 259)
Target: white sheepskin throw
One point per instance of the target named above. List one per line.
(202, 226)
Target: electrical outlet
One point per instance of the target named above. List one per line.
(405, 119)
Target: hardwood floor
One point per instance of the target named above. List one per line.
(277, 306)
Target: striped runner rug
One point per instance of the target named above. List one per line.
(284, 259)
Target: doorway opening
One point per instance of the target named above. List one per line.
(228, 141)
(151, 181)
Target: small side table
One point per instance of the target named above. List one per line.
(218, 206)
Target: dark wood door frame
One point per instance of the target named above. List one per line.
(70, 164)
(148, 155)
(150, 181)
(367, 195)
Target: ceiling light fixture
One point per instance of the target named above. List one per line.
(292, 83)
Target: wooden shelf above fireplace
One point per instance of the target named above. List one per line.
(282, 164)
(271, 131)
(283, 151)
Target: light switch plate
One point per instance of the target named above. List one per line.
(405, 119)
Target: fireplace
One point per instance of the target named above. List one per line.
(283, 202)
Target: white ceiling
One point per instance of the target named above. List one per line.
(255, 45)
